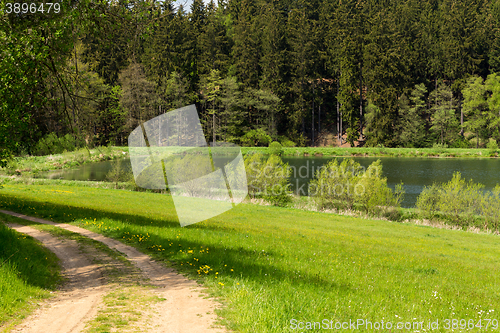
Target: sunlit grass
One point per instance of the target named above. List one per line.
(270, 265)
(378, 152)
(31, 165)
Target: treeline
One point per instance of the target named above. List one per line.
(392, 73)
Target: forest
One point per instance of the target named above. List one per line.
(411, 73)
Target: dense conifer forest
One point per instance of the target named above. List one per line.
(405, 73)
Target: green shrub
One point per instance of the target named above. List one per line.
(428, 200)
(268, 179)
(256, 138)
(287, 143)
(51, 144)
(492, 145)
(335, 183)
(119, 173)
(275, 148)
(348, 185)
(461, 142)
(439, 148)
(459, 201)
(490, 206)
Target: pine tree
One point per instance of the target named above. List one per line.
(444, 121)
(304, 56)
(411, 121)
(475, 107)
(214, 44)
(246, 51)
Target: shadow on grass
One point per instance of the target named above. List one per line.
(244, 261)
(33, 264)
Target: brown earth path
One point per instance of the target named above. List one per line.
(79, 298)
(185, 309)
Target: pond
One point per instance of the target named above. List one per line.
(415, 173)
(92, 171)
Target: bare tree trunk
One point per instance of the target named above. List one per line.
(319, 119)
(461, 119)
(341, 129)
(159, 130)
(360, 101)
(338, 115)
(312, 122)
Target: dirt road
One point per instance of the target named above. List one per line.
(183, 306)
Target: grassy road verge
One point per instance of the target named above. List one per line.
(28, 272)
(271, 265)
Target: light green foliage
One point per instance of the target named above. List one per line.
(475, 107)
(428, 200)
(254, 138)
(444, 122)
(374, 192)
(335, 183)
(460, 201)
(492, 86)
(347, 185)
(459, 197)
(268, 178)
(287, 143)
(439, 147)
(275, 148)
(490, 204)
(492, 145)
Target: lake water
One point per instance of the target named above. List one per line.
(415, 173)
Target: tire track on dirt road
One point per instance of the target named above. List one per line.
(185, 309)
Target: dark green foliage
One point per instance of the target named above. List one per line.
(412, 114)
(51, 144)
(283, 67)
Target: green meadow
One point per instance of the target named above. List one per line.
(380, 152)
(270, 265)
